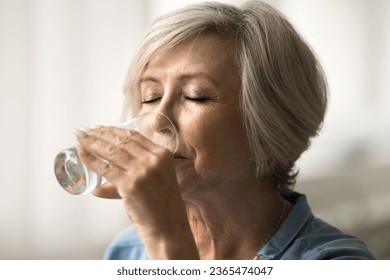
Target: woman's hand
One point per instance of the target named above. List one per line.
(142, 174)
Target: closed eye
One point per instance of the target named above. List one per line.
(149, 101)
(197, 99)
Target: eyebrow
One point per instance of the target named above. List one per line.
(148, 79)
(184, 77)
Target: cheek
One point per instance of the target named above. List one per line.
(219, 142)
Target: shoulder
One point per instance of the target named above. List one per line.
(127, 245)
(302, 236)
(321, 241)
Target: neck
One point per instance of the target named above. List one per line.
(235, 226)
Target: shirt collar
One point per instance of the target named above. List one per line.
(290, 228)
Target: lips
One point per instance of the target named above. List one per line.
(178, 156)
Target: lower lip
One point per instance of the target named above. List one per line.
(180, 159)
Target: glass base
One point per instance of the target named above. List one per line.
(72, 175)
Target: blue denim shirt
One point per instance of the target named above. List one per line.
(301, 237)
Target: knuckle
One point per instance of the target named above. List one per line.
(131, 133)
(123, 140)
(105, 168)
(120, 147)
(100, 131)
(105, 129)
(145, 173)
(154, 161)
(112, 151)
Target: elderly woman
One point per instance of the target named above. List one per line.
(246, 95)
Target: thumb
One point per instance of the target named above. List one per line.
(107, 190)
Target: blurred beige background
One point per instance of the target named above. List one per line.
(62, 64)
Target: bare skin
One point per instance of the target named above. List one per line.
(205, 201)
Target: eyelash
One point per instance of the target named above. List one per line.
(197, 99)
(193, 99)
(153, 100)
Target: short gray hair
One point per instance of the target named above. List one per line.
(283, 92)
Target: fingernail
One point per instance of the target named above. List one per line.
(96, 126)
(81, 132)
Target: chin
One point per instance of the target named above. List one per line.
(189, 181)
(188, 185)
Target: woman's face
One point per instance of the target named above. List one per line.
(196, 84)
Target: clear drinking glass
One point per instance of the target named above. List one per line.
(76, 178)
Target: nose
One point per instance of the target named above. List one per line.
(164, 131)
(162, 124)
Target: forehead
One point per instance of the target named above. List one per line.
(209, 54)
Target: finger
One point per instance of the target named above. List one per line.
(119, 146)
(107, 190)
(118, 136)
(146, 142)
(117, 155)
(105, 169)
(114, 135)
